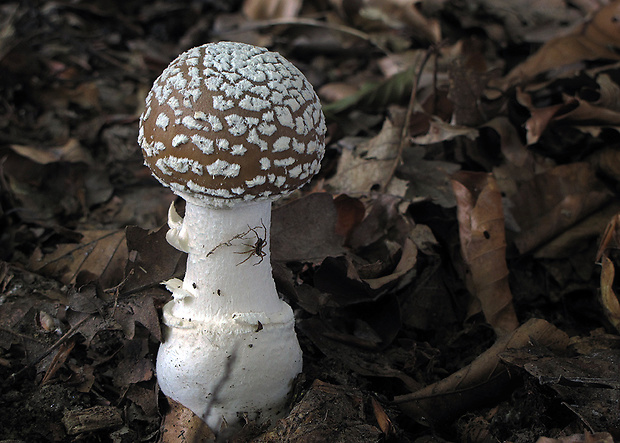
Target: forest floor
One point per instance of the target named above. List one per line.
(451, 268)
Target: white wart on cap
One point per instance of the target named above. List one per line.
(229, 122)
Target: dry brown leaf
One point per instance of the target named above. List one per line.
(539, 117)
(485, 378)
(596, 39)
(391, 14)
(370, 164)
(607, 161)
(529, 21)
(181, 425)
(584, 232)
(382, 418)
(332, 92)
(271, 9)
(322, 415)
(72, 152)
(305, 230)
(584, 377)
(571, 108)
(440, 131)
(609, 299)
(483, 245)
(151, 260)
(553, 201)
(351, 212)
(100, 255)
(354, 353)
(406, 264)
(597, 437)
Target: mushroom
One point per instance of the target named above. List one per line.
(229, 127)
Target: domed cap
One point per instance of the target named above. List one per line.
(230, 122)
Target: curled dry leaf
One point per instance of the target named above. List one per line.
(382, 418)
(351, 212)
(571, 108)
(483, 245)
(482, 380)
(609, 299)
(596, 39)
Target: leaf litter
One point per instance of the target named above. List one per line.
(450, 270)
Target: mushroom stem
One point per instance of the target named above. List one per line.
(225, 273)
(229, 341)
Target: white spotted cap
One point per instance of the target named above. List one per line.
(229, 122)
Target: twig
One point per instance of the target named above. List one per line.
(58, 343)
(404, 135)
(307, 22)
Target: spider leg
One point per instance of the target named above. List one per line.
(247, 258)
(249, 251)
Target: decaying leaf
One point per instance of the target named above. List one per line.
(585, 379)
(483, 379)
(183, 426)
(596, 39)
(369, 165)
(71, 152)
(271, 9)
(554, 200)
(609, 299)
(586, 437)
(151, 260)
(305, 230)
(372, 164)
(571, 108)
(427, 179)
(395, 89)
(100, 255)
(321, 415)
(483, 245)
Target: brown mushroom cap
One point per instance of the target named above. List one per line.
(230, 122)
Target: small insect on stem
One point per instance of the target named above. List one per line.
(256, 248)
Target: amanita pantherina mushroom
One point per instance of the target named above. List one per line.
(229, 127)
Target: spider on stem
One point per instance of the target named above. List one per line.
(256, 248)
